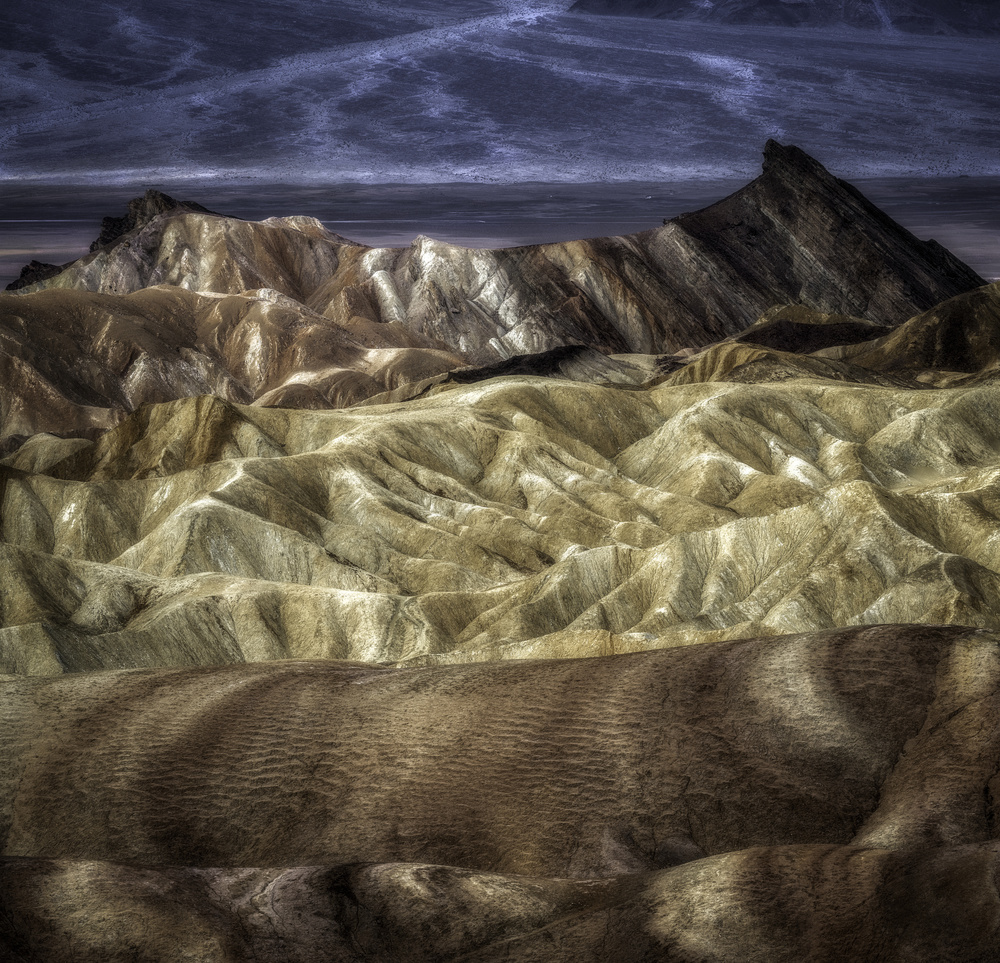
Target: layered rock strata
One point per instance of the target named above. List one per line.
(283, 312)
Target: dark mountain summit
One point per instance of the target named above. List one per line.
(799, 234)
(33, 272)
(141, 210)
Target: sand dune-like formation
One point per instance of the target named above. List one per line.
(581, 768)
(766, 799)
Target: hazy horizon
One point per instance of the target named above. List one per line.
(56, 224)
(402, 110)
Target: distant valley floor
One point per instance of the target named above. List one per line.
(56, 223)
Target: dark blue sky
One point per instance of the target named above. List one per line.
(489, 90)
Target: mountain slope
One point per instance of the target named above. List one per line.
(513, 517)
(570, 768)
(824, 793)
(284, 312)
(957, 337)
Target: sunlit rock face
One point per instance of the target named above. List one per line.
(283, 312)
(201, 251)
(624, 599)
(753, 491)
(917, 16)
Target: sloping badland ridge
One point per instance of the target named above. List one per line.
(285, 313)
(518, 517)
(816, 792)
(644, 609)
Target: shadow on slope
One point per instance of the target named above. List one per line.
(283, 312)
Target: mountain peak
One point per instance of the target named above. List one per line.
(780, 157)
(141, 210)
(799, 234)
(795, 235)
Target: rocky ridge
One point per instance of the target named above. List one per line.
(631, 599)
(284, 312)
(514, 517)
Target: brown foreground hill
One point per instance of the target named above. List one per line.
(645, 609)
(814, 797)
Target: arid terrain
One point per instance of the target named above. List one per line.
(625, 599)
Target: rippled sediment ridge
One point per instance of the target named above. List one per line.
(756, 800)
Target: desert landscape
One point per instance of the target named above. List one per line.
(500, 480)
(633, 598)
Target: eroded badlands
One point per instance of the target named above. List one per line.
(629, 599)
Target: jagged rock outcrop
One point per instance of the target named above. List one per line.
(975, 17)
(141, 210)
(286, 313)
(33, 272)
(205, 252)
(797, 221)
